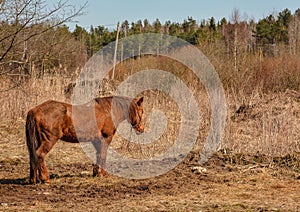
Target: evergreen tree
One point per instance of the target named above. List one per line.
(147, 26)
(265, 30)
(157, 26)
(281, 26)
(174, 29)
(125, 28)
(212, 24)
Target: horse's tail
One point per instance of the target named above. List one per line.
(32, 144)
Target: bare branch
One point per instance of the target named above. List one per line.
(29, 15)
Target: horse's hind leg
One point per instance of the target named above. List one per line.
(101, 151)
(33, 172)
(42, 170)
(42, 151)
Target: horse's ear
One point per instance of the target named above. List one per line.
(140, 101)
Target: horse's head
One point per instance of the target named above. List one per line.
(135, 115)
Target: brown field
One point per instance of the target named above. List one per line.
(258, 168)
(236, 180)
(232, 182)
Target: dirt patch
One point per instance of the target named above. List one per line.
(231, 181)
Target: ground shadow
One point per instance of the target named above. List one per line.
(25, 180)
(17, 181)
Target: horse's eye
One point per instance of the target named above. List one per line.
(134, 124)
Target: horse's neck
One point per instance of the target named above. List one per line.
(121, 112)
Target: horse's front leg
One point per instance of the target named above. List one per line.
(101, 147)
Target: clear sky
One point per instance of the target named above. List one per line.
(109, 12)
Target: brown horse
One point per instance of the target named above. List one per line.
(52, 120)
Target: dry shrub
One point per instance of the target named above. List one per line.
(279, 73)
(259, 119)
(268, 123)
(254, 71)
(157, 100)
(17, 99)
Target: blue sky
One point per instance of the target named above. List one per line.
(109, 12)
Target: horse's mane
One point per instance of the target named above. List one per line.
(119, 103)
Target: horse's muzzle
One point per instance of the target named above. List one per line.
(139, 129)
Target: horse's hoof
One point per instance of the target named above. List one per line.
(99, 172)
(32, 182)
(45, 182)
(103, 173)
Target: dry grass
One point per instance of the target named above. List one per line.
(19, 95)
(257, 122)
(235, 180)
(267, 123)
(263, 123)
(155, 101)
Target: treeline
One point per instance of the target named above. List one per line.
(34, 42)
(282, 29)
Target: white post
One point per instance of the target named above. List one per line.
(115, 55)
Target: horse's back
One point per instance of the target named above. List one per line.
(52, 116)
(50, 110)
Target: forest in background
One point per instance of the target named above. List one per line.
(35, 41)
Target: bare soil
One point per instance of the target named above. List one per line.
(232, 182)
(239, 179)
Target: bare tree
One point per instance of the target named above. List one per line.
(294, 32)
(235, 16)
(236, 20)
(238, 35)
(24, 20)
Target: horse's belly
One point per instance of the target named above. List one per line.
(82, 138)
(70, 139)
